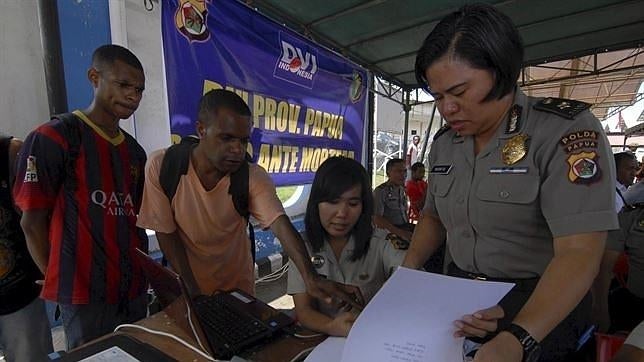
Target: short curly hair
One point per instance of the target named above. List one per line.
(480, 35)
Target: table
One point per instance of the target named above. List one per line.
(172, 320)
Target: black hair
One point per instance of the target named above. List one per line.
(393, 162)
(621, 156)
(334, 177)
(416, 166)
(216, 99)
(106, 55)
(482, 36)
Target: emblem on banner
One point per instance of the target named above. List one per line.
(583, 168)
(190, 19)
(355, 91)
(515, 149)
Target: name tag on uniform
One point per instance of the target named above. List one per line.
(441, 169)
(510, 170)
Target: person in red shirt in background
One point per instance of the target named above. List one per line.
(416, 191)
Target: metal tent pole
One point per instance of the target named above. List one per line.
(52, 56)
(406, 108)
(431, 122)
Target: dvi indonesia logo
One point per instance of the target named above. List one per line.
(297, 62)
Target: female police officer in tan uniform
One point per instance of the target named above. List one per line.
(522, 189)
(345, 247)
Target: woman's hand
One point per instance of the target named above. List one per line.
(341, 324)
(480, 323)
(502, 348)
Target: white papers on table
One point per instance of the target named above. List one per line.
(411, 318)
(329, 350)
(112, 354)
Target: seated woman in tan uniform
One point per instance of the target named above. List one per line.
(344, 246)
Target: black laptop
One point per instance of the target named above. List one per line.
(231, 321)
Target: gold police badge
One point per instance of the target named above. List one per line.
(515, 149)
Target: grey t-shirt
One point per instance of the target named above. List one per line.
(630, 239)
(636, 337)
(635, 193)
(501, 217)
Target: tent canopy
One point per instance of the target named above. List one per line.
(383, 35)
(572, 37)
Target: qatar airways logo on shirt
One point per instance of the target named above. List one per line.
(297, 63)
(116, 203)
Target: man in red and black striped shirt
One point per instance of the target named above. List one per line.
(79, 185)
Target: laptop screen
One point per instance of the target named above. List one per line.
(164, 281)
(169, 286)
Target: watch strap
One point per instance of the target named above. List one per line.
(528, 343)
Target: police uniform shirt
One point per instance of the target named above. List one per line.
(390, 201)
(540, 176)
(630, 238)
(635, 193)
(369, 272)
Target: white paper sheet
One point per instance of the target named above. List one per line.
(410, 318)
(329, 350)
(113, 354)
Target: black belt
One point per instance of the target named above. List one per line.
(522, 283)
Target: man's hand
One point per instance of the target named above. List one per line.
(480, 323)
(502, 348)
(335, 293)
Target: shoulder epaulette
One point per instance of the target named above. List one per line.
(567, 108)
(441, 131)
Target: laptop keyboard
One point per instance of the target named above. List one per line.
(229, 331)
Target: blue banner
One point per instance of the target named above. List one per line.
(307, 102)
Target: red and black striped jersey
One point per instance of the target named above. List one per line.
(92, 232)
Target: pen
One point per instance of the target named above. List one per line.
(584, 337)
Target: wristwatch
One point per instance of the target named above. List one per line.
(531, 348)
